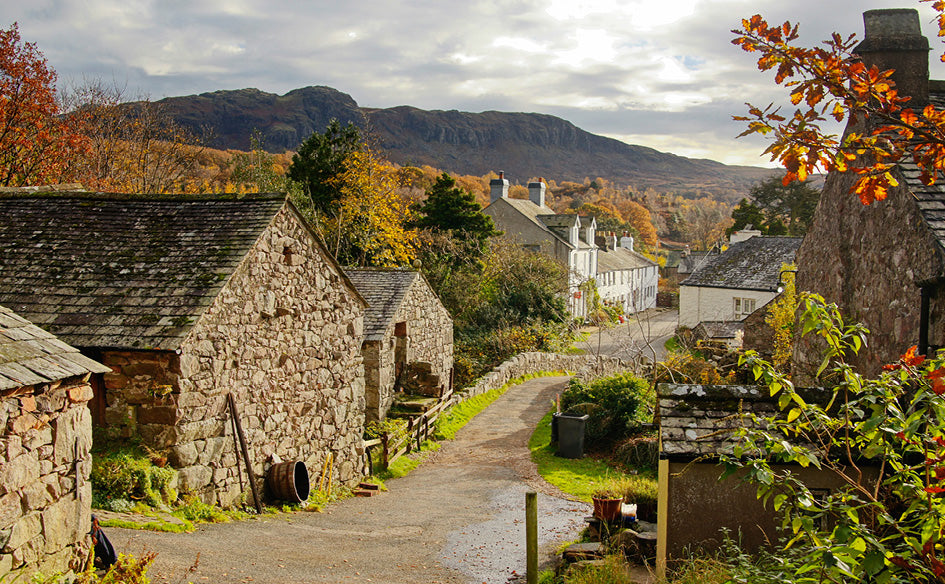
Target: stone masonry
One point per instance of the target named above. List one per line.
(45, 438)
(283, 336)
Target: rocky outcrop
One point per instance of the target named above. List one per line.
(525, 145)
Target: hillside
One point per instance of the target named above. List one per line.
(525, 145)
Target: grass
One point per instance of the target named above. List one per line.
(576, 476)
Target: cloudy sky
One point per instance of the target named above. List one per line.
(660, 73)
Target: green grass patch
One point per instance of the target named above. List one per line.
(576, 476)
(460, 414)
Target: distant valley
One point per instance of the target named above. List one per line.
(524, 145)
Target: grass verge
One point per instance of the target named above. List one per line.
(579, 477)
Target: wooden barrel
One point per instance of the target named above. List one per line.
(288, 481)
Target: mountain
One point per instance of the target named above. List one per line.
(524, 145)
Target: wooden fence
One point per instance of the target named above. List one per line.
(418, 430)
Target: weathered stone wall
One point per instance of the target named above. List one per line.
(585, 367)
(759, 336)
(429, 339)
(284, 337)
(867, 259)
(45, 494)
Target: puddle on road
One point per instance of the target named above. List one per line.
(490, 552)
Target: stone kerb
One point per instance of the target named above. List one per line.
(585, 366)
(45, 494)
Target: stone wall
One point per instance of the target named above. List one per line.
(585, 367)
(284, 337)
(45, 494)
(867, 259)
(429, 330)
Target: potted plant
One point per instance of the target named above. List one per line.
(607, 502)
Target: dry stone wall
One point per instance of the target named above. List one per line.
(585, 367)
(45, 494)
(429, 330)
(284, 337)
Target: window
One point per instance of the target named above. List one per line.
(744, 307)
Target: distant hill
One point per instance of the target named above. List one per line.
(524, 145)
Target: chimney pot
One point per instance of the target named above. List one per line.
(499, 188)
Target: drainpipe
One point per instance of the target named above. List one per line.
(924, 320)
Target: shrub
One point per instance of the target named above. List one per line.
(128, 474)
(620, 405)
(885, 526)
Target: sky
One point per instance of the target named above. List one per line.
(658, 73)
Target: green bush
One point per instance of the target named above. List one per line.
(126, 475)
(479, 351)
(619, 406)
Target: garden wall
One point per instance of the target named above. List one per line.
(585, 367)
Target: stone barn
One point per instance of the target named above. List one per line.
(188, 299)
(45, 437)
(408, 337)
(883, 264)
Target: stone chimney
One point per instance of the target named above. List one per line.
(894, 40)
(611, 241)
(626, 241)
(499, 187)
(536, 192)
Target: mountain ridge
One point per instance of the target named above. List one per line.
(524, 145)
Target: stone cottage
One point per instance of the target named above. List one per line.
(188, 299)
(408, 337)
(568, 238)
(884, 264)
(45, 437)
(730, 286)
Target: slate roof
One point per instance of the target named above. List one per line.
(30, 356)
(621, 258)
(123, 271)
(720, 329)
(385, 290)
(697, 420)
(533, 213)
(753, 264)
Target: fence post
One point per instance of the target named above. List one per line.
(385, 453)
(531, 537)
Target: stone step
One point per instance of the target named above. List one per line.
(364, 492)
(583, 551)
(368, 486)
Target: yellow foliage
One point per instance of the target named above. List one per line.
(780, 318)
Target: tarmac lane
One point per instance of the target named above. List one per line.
(458, 518)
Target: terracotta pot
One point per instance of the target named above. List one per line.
(607, 509)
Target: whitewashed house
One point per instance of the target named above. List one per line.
(731, 285)
(568, 238)
(625, 278)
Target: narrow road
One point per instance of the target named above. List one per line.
(458, 518)
(642, 335)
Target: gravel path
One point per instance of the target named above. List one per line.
(458, 518)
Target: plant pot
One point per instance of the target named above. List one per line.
(607, 509)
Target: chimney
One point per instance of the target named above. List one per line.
(894, 40)
(611, 243)
(536, 192)
(626, 241)
(499, 187)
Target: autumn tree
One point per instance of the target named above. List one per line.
(704, 221)
(321, 158)
(829, 83)
(367, 227)
(37, 145)
(133, 146)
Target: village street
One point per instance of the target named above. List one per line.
(640, 336)
(458, 518)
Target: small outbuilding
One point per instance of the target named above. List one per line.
(45, 438)
(408, 337)
(188, 299)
